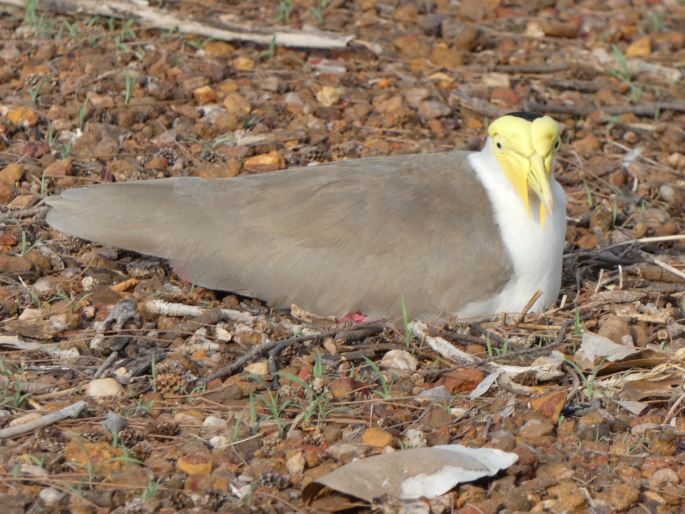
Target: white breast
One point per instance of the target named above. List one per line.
(536, 252)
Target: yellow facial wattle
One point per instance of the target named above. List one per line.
(525, 150)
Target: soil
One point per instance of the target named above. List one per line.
(189, 408)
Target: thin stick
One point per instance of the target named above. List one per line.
(561, 335)
(647, 240)
(71, 411)
(532, 68)
(537, 294)
(180, 309)
(669, 268)
(674, 408)
(268, 346)
(648, 109)
(24, 386)
(107, 362)
(15, 214)
(642, 240)
(161, 19)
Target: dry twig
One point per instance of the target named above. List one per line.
(71, 411)
(216, 29)
(264, 348)
(645, 109)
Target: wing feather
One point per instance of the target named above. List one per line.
(336, 238)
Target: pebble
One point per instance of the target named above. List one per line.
(194, 464)
(342, 387)
(23, 116)
(237, 104)
(292, 98)
(668, 193)
(103, 387)
(204, 95)
(114, 422)
(617, 330)
(260, 368)
(414, 438)
(462, 380)
(220, 441)
(431, 109)
(677, 160)
(623, 496)
(415, 95)
(641, 47)
(377, 437)
(593, 426)
(411, 46)
(535, 429)
(295, 464)
(11, 173)
(653, 217)
(662, 477)
(217, 49)
(271, 84)
(400, 360)
(59, 168)
(446, 57)
(503, 440)
(328, 96)
(587, 145)
(554, 27)
(243, 63)
(15, 264)
(213, 421)
(569, 496)
(432, 23)
(271, 161)
(7, 192)
(51, 496)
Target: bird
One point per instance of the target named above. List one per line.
(429, 236)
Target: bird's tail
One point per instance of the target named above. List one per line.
(132, 215)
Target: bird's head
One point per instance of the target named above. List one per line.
(524, 145)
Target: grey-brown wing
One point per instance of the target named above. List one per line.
(347, 236)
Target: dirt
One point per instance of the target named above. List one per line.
(174, 421)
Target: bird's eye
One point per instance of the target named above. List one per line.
(499, 144)
(557, 144)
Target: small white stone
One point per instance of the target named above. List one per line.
(103, 387)
(51, 496)
(87, 283)
(222, 334)
(399, 360)
(122, 372)
(667, 192)
(33, 471)
(69, 354)
(219, 441)
(260, 368)
(213, 421)
(295, 464)
(414, 438)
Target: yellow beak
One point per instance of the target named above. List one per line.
(538, 182)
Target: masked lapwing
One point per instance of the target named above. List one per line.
(453, 233)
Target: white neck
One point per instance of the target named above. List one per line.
(535, 251)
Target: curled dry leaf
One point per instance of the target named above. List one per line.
(598, 350)
(413, 473)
